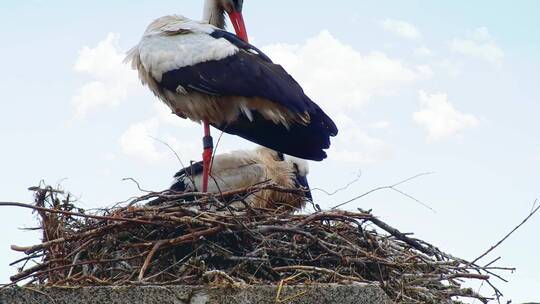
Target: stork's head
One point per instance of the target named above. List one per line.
(214, 13)
(234, 10)
(300, 165)
(301, 170)
(231, 5)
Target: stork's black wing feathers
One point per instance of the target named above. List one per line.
(298, 140)
(179, 184)
(239, 43)
(195, 169)
(186, 173)
(250, 73)
(242, 74)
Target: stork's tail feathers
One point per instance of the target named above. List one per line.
(303, 141)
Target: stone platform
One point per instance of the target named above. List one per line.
(302, 294)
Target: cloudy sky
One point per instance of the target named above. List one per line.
(414, 86)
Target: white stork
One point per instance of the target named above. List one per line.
(207, 74)
(244, 168)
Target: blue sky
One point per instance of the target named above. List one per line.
(449, 87)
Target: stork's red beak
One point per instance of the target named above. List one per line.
(238, 23)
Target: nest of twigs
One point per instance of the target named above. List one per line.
(205, 241)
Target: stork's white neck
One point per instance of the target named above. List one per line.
(214, 14)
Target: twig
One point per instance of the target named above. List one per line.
(99, 217)
(170, 148)
(330, 193)
(509, 233)
(136, 183)
(392, 187)
(400, 236)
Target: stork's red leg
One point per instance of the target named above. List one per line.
(208, 146)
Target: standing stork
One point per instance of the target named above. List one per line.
(209, 75)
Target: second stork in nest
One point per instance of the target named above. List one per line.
(245, 168)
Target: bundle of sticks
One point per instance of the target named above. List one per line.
(187, 242)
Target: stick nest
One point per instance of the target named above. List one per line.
(205, 241)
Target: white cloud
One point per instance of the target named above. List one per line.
(423, 52)
(367, 149)
(340, 78)
(354, 145)
(112, 82)
(401, 28)
(479, 44)
(425, 70)
(105, 172)
(381, 124)
(146, 141)
(142, 139)
(439, 117)
(108, 156)
(137, 141)
(452, 68)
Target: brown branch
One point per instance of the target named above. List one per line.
(400, 236)
(93, 232)
(99, 217)
(149, 258)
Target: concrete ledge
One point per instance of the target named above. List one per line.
(302, 294)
